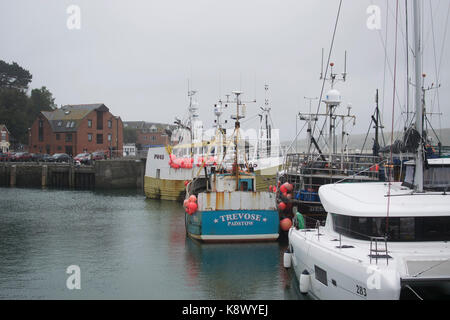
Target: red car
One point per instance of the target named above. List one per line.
(84, 158)
(21, 157)
(99, 155)
(4, 157)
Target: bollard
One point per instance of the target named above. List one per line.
(12, 181)
(44, 176)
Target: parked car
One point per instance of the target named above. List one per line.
(21, 157)
(84, 158)
(99, 155)
(45, 157)
(4, 156)
(40, 157)
(60, 157)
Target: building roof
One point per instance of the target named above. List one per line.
(69, 117)
(144, 125)
(3, 126)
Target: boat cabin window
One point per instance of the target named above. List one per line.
(435, 178)
(401, 229)
(245, 184)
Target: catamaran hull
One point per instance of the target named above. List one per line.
(233, 225)
(338, 277)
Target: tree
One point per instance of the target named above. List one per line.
(129, 135)
(13, 76)
(14, 113)
(17, 109)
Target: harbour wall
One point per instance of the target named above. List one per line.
(104, 174)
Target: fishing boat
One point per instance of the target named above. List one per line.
(169, 167)
(384, 240)
(228, 207)
(323, 162)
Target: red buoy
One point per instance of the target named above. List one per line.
(283, 189)
(192, 198)
(282, 206)
(289, 187)
(192, 206)
(185, 203)
(286, 224)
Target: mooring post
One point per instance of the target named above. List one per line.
(71, 176)
(12, 176)
(44, 176)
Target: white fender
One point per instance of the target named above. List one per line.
(305, 282)
(287, 259)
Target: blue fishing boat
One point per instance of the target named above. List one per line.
(225, 206)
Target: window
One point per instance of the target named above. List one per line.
(99, 138)
(402, 229)
(89, 137)
(89, 123)
(434, 178)
(58, 136)
(153, 138)
(109, 137)
(99, 120)
(3, 135)
(68, 137)
(109, 124)
(41, 130)
(321, 275)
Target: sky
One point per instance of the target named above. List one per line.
(137, 57)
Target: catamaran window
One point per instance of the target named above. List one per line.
(409, 176)
(434, 178)
(400, 229)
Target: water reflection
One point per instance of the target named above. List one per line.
(126, 247)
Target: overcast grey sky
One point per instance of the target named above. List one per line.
(136, 56)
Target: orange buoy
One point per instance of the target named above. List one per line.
(286, 224)
(282, 206)
(192, 206)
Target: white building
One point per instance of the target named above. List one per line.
(129, 149)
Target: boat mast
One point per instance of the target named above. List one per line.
(418, 177)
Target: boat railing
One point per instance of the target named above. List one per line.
(336, 165)
(376, 252)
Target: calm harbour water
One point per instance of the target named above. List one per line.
(127, 247)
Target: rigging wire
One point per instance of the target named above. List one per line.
(327, 67)
(393, 116)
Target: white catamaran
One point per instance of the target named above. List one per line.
(381, 240)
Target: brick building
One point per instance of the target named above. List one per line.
(73, 129)
(4, 139)
(150, 134)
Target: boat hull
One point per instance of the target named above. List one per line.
(233, 225)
